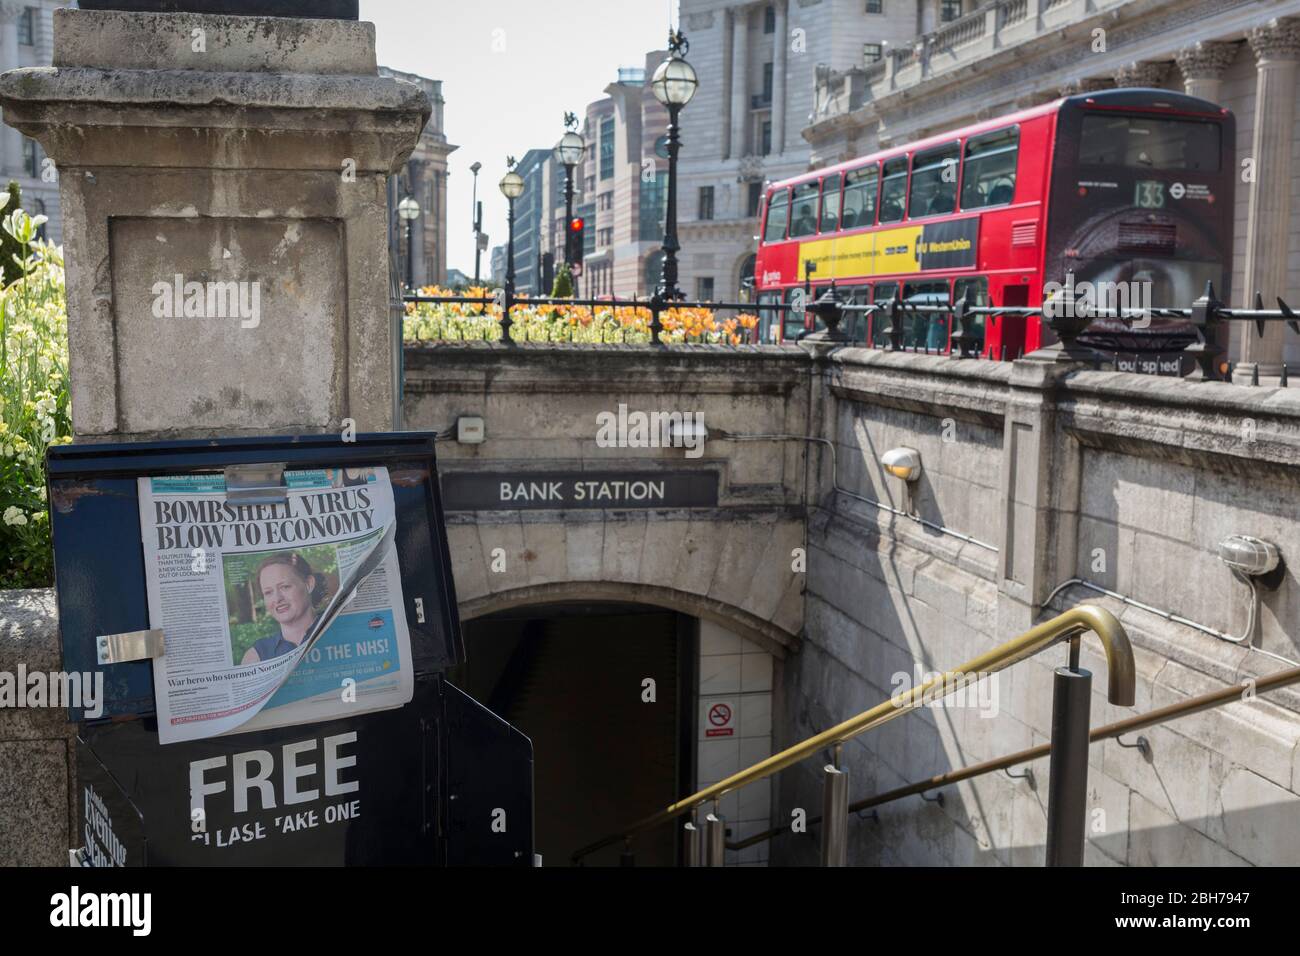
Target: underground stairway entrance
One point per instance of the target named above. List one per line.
(572, 677)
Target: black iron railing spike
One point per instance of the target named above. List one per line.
(1254, 374)
(1283, 380)
(1291, 318)
(1259, 307)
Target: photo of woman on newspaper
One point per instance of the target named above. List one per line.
(290, 591)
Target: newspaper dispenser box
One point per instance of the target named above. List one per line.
(437, 779)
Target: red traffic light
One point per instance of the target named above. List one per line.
(575, 224)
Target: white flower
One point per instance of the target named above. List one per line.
(13, 516)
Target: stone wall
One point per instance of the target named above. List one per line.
(1146, 476)
(1039, 475)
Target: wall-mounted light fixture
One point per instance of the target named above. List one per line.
(1257, 563)
(903, 463)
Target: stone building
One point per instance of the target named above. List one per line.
(27, 39)
(1009, 54)
(758, 65)
(424, 177)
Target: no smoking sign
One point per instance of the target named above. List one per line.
(720, 720)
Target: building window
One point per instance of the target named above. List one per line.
(606, 201)
(767, 84)
(755, 197)
(31, 158)
(607, 148)
(765, 138)
(875, 6)
(769, 20)
(27, 27)
(590, 186)
(606, 237)
(704, 289)
(653, 204)
(949, 10)
(871, 53)
(706, 203)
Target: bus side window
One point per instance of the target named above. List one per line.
(831, 203)
(778, 211)
(926, 330)
(989, 170)
(934, 182)
(976, 288)
(860, 198)
(883, 292)
(855, 323)
(803, 220)
(893, 190)
(792, 325)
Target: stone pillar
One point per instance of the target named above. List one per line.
(1142, 74)
(223, 184)
(780, 55)
(1268, 224)
(739, 81)
(13, 140)
(1203, 65)
(1040, 491)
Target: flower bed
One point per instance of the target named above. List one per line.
(33, 400)
(461, 321)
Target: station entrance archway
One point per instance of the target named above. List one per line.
(606, 692)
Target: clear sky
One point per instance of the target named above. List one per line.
(509, 70)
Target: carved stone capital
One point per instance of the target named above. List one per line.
(1085, 84)
(1276, 40)
(1141, 74)
(1206, 60)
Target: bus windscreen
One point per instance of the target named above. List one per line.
(1142, 142)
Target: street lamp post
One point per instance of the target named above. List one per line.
(409, 210)
(568, 152)
(674, 83)
(477, 214)
(512, 187)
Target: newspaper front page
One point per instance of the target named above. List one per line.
(275, 614)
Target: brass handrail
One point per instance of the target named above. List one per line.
(1121, 683)
(1160, 715)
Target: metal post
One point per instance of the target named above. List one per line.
(510, 256)
(668, 274)
(410, 260)
(568, 211)
(477, 212)
(1067, 784)
(690, 844)
(715, 840)
(835, 817)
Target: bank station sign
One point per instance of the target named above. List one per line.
(524, 491)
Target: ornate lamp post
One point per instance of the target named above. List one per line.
(409, 210)
(674, 83)
(512, 187)
(568, 152)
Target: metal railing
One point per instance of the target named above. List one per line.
(1065, 314)
(1161, 715)
(1069, 725)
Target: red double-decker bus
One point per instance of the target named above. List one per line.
(1129, 190)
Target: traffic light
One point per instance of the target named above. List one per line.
(575, 238)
